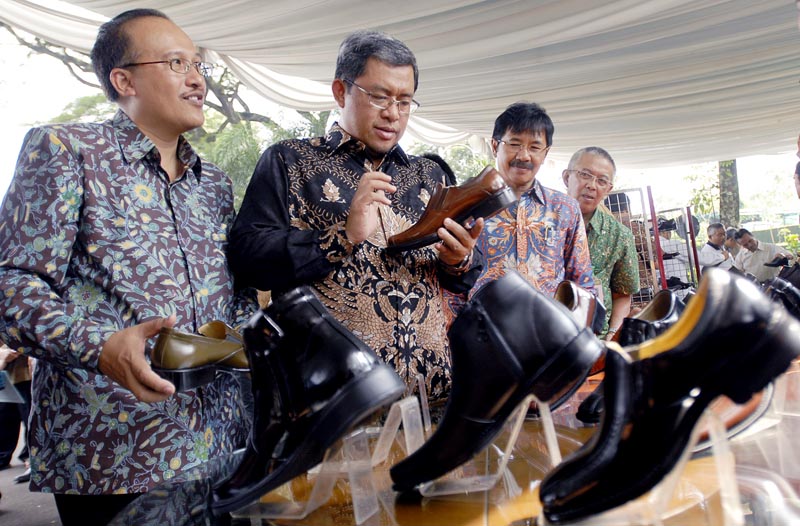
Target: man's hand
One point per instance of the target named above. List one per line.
(363, 219)
(456, 241)
(122, 359)
(7, 356)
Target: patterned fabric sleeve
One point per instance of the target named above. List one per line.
(39, 222)
(577, 261)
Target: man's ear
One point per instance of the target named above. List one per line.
(339, 89)
(494, 144)
(122, 81)
(565, 177)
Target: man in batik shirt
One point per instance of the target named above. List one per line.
(109, 232)
(319, 212)
(541, 235)
(589, 178)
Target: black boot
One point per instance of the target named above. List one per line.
(658, 316)
(509, 341)
(313, 381)
(731, 340)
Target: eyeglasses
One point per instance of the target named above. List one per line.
(180, 65)
(601, 181)
(383, 102)
(515, 147)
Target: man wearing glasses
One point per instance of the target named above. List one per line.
(319, 212)
(541, 235)
(589, 178)
(109, 232)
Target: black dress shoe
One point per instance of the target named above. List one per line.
(587, 310)
(657, 316)
(312, 381)
(509, 341)
(25, 476)
(675, 283)
(731, 340)
(784, 293)
(779, 261)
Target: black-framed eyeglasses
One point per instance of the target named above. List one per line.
(516, 147)
(179, 65)
(601, 181)
(383, 102)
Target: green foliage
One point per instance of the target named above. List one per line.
(236, 150)
(704, 191)
(91, 108)
(464, 162)
(792, 241)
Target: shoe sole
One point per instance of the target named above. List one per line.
(486, 208)
(194, 377)
(351, 405)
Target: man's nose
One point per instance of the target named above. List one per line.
(393, 111)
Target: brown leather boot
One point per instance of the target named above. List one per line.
(481, 196)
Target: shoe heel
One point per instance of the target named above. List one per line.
(186, 379)
(568, 369)
(488, 207)
(768, 360)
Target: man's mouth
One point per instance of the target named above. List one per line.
(195, 98)
(386, 134)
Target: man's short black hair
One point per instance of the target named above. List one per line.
(523, 117)
(110, 49)
(740, 234)
(358, 47)
(730, 233)
(797, 169)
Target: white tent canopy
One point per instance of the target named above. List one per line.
(656, 82)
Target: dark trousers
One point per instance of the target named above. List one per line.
(91, 510)
(11, 415)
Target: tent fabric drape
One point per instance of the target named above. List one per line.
(656, 82)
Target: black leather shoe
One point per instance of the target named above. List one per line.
(657, 316)
(313, 381)
(587, 310)
(675, 283)
(509, 341)
(779, 261)
(784, 293)
(731, 340)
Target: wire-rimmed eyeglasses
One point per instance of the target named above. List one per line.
(179, 65)
(383, 102)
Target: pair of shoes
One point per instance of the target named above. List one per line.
(482, 196)
(675, 283)
(731, 340)
(778, 261)
(312, 382)
(192, 360)
(25, 476)
(670, 255)
(508, 342)
(587, 310)
(657, 316)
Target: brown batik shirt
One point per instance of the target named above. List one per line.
(290, 232)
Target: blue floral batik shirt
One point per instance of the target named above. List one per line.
(94, 238)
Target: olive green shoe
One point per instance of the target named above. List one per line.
(192, 360)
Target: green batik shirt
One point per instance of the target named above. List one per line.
(614, 259)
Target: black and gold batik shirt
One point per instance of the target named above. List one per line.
(290, 232)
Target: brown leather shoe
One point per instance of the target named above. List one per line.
(191, 360)
(482, 196)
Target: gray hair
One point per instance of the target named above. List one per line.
(592, 150)
(358, 47)
(713, 227)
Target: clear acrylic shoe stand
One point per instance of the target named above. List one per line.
(350, 458)
(684, 489)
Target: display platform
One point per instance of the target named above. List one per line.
(767, 476)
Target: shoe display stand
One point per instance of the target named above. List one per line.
(673, 495)
(352, 459)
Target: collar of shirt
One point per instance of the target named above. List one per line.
(136, 146)
(338, 139)
(712, 245)
(535, 193)
(598, 220)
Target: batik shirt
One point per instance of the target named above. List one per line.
(614, 258)
(541, 236)
(290, 232)
(93, 239)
